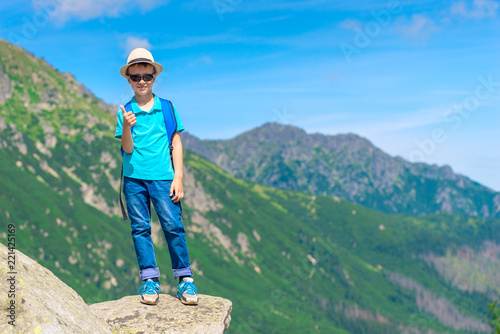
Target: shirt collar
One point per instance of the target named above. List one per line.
(136, 109)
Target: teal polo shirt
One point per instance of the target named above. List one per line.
(150, 159)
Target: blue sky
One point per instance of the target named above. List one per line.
(419, 79)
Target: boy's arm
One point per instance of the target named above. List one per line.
(128, 121)
(177, 158)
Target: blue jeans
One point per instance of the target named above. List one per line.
(139, 194)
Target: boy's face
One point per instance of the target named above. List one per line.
(142, 87)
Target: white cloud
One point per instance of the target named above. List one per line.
(349, 24)
(91, 9)
(204, 60)
(136, 42)
(420, 27)
(377, 126)
(480, 9)
(260, 21)
(261, 6)
(320, 38)
(147, 5)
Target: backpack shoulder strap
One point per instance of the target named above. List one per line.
(170, 121)
(128, 107)
(167, 109)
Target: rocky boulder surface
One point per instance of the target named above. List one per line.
(127, 315)
(42, 302)
(34, 300)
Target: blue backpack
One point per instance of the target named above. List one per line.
(170, 124)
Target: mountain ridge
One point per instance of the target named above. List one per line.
(347, 166)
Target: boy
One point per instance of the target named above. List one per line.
(149, 176)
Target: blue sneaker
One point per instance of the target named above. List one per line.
(149, 292)
(186, 291)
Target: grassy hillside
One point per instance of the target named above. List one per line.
(337, 257)
(289, 262)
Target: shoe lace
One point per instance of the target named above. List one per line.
(149, 288)
(189, 288)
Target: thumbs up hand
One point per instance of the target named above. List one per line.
(128, 118)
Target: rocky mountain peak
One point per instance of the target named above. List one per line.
(346, 166)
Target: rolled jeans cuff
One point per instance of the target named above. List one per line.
(149, 273)
(182, 272)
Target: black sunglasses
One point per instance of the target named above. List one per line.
(137, 77)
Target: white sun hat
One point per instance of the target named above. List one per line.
(140, 55)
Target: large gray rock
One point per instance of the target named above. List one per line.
(127, 315)
(43, 303)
